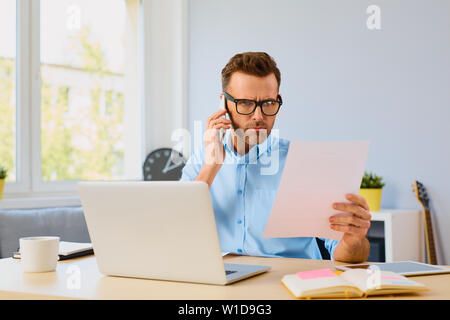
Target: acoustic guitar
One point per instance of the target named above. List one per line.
(422, 197)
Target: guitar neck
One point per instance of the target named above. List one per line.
(429, 237)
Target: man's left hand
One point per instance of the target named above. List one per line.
(354, 220)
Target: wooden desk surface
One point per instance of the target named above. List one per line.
(14, 284)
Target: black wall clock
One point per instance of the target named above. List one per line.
(163, 164)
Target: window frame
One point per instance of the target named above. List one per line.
(29, 181)
(23, 100)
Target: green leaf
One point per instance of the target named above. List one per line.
(372, 181)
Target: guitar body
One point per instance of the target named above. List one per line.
(422, 197)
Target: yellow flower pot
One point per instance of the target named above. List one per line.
(2, 187)
(373, 198)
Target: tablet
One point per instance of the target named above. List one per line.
(405, 268)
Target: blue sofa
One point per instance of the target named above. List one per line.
(66, 222)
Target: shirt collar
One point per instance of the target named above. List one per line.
(255, 152)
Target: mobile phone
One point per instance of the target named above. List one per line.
(222, 106)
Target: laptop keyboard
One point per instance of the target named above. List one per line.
(227, 272)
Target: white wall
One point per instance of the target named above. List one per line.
(165, 60)
(342, 81)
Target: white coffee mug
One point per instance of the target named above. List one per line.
(39, 254)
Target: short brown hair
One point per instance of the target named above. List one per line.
(258, 64)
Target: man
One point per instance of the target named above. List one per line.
(241, 194)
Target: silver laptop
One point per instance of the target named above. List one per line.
(161, 230)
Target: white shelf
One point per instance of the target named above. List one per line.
(403, 234)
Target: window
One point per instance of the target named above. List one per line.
(79, 110)
(82, 52)
(8, 87)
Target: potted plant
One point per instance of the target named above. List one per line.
(371, 189)
(3, 175)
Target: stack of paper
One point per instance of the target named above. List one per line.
(316, 175)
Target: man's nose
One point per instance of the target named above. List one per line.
(258, 115)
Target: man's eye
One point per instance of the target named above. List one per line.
(247, 103)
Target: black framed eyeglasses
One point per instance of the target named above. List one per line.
(269, 107)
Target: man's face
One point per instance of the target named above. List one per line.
(244, 86)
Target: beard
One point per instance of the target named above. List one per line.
(247, 134)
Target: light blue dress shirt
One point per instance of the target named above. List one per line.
(242, 196)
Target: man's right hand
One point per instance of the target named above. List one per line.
(214, 148)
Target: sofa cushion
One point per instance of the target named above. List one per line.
(66, 222)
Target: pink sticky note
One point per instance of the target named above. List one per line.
(316, 175)
(314, 274)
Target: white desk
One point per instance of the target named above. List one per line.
(93, 285)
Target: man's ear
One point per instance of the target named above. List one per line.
(279, 111)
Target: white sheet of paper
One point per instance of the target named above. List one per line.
(66, 248)
(316, 174)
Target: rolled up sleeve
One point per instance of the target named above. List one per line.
(192, 167)
(330, 245)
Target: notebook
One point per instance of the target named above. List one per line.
(325, 283)
(69, 250)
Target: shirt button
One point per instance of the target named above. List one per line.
(239, 191)
(239, 250)
(239, 221)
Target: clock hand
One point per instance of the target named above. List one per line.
(169, 167)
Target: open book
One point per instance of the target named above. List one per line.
(325, 283)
